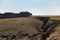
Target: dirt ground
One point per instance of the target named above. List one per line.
(25, 28)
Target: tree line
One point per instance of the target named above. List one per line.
(14, 15)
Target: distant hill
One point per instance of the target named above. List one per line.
(14, 15)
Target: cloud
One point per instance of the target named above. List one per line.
(49, 12)
(40, 12)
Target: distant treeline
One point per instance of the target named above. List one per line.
(14, 15)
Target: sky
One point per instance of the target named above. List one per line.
(36, 7)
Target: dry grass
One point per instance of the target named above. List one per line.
(20, 24)
(25, 24)
(55, 35)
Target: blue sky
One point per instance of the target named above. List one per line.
(37, 7)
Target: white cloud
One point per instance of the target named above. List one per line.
(49, 12)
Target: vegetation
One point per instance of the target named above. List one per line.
(25, 26)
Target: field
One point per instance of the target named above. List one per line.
(29, 28)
